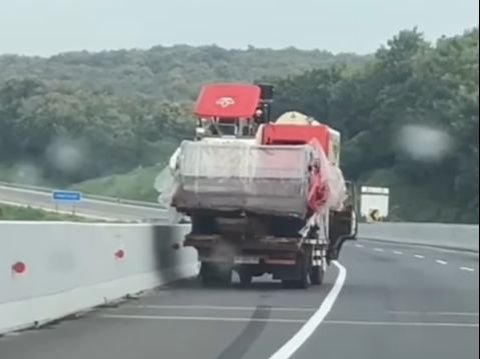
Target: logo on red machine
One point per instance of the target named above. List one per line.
(225, 102)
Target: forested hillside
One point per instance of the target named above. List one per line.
(408, 114)
(81, 115)
(166, 73)
(409, 120)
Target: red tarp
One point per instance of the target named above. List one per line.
(227, 101)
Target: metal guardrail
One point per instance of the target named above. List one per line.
(86, 195)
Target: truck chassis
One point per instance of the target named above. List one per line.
(253, 245)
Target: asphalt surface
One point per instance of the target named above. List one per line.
(397, 302)
(91, 208)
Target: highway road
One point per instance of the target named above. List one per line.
(394, 302)
(89, 208)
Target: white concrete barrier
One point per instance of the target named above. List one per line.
(453, 236)
(51, 270)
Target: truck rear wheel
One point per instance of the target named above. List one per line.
(302, 282)
(316, 275)
(212, 275)
(245, 278)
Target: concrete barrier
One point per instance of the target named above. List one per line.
(450, 236)
(51, 270)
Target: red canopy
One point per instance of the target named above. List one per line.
(227, 100)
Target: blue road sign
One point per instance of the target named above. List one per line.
(66, 196)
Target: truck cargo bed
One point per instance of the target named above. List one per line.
(227, 177)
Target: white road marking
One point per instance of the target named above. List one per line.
(285, 321)
(453, 314)
(213, 307)
(398, 252)
(359, 245)
(420, 246)
(290, 347)
(403, 324)
(198, 318)
(467, 269)
(378, 249)
(439, 261)
(419, 256)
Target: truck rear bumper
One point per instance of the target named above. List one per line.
(273, 255)
(240, 245)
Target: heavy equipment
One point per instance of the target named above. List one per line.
(263, 196)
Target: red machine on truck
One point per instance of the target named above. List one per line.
(264, 197)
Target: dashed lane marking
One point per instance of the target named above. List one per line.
(285, 321)
(439, 261)
(419, 256)
(398, 252)
(403, 324)
(359, 245)
(467, 269)
(438, 314)
(378, 249)
(198, 318)
(214, 307)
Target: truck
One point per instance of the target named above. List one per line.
(264, 195)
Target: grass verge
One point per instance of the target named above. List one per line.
(134, 185)
(14, 213)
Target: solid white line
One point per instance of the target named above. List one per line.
(290, 347)
(467, 269)
(419, 256)
(198, 318)
(213, 307)
(403, 324)
(378, 249)
(439, 261)
(398, 252)
(359, 245)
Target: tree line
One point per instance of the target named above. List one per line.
(409, 121)
(80, 115)
(408, 114)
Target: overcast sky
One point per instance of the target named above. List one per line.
(45, 27)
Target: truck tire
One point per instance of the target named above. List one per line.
(303, 280)
(208, 280)
(213, 276)
(224, 278)
(206, 274)
(245, 278)
(316, 275)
